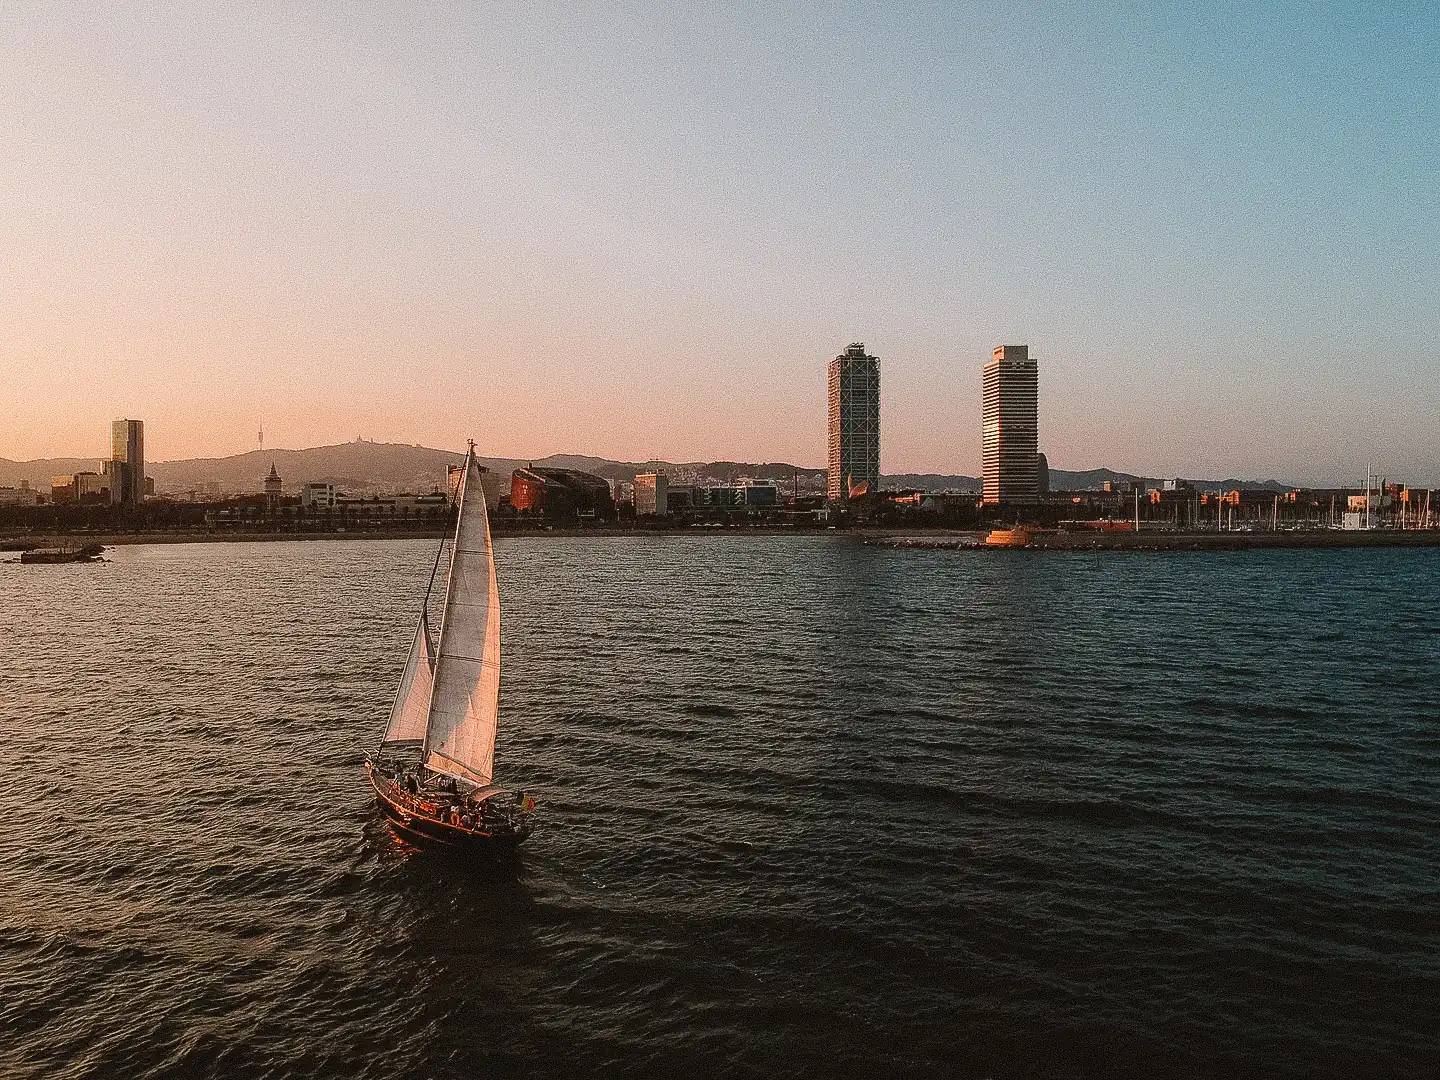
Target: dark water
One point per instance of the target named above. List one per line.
(807, 808)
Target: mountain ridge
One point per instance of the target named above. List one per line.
(363, 466)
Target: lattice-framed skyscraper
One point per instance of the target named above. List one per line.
(854, 424)
(1010, 426)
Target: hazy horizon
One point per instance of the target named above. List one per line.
(650, 228)
(808, 466)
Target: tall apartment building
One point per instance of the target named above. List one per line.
(651, 492)
(1010, 426)
(126, 467)
(854, 423)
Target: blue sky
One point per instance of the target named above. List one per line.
(641, 230)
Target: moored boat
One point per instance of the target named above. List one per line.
(433, 770)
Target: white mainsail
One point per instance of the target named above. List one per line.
(465, 693)
(412, 700)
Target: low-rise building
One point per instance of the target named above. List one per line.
(91, 487)
(716, 496)
(560, 494)
(24, 495)
(432, 505)
(759, 493)
(80, 487)
(748, 495)
(317, 496)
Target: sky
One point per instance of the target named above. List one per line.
(642, 230)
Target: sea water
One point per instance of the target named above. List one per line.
(806, 807)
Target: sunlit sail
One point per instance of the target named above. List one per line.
(448, 702)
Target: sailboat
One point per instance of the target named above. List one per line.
(433, 772)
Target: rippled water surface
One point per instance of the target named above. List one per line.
(807, 807)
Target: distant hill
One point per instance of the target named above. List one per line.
(356, 466)
(929, 482)
(1095, 479)
(363, 467)
(1064, 480)
(40, 470)
(724, 471)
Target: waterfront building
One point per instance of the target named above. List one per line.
(23, 495)
(652, 492)
(435, 504)
(91, 487)
(714, 496)
(759, 493)
(80, 487)
(125, 470)
(561, 494)
(747, 495)
(1010, 427)
(854, 424)
(317, 496)
(621, 491)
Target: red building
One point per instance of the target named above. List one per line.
(561, 494)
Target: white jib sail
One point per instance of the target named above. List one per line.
(412, 701)
(465, 695)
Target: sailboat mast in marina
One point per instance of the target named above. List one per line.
(433, 773)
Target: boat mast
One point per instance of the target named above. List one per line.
(445, 611)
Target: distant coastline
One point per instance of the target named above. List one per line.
(934, 539)
(1167, 540)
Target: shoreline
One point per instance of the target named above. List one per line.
(936, 539)
(1088, 540)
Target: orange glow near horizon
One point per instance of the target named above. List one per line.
(417, 227)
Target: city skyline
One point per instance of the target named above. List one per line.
(1215, 231)
(100, 461)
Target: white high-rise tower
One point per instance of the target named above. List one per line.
(1010, 427)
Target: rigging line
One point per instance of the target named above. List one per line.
(425, 605)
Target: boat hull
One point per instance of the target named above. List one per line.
(418, 821)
